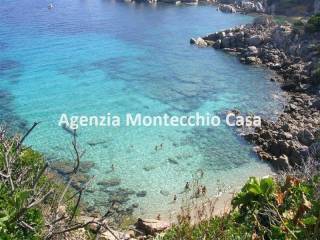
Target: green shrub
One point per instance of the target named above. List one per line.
(263, 209)
(280, 211)
(313, 24)
(12, 202)
(222, 228)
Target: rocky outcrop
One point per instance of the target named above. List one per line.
(252, 6)
(227, 8)
(292, 54)
(199, 41)
(288, 142)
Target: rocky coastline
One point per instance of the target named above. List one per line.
(294, 55)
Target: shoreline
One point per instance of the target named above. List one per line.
(284, 143)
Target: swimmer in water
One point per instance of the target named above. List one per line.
(204, 190)
(187, 186)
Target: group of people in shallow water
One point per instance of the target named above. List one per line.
(158, 147)
(201, 189)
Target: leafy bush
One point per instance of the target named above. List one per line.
(33, 204)
(263, 209)
(13, 202)
(313, 24)
(222, 228)
(280, 211)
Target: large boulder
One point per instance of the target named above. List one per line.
(282, 163)
(255, 40)
(200, 42)
(227, 8)
(259, 7)
(225, 42)
(248, 6)
(314, 151)
(109, 182)
(252, 60)
(263, 20)
(298, 155)
(252, 51)
(281, 36)
(305, 137)
(151, 226)
(212, 37)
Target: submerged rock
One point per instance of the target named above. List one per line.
(172, 161)
(62, 167)
(110, 182)
(141, 194)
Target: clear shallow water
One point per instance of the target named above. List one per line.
(95, 57)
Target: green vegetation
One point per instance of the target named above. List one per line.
(13, 201)
(263, 209)
(313, 24)
(291, 7)
(34, 204)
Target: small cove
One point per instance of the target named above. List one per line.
(92, 58)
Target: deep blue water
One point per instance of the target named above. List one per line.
(94, 57)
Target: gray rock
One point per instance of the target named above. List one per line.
(252, 51)
(263, 20)
(151, 226)
(282, 163)
(227, 8)
(305, 137)
(225, 42)
(259, 7)
(200, 42)
(193, 41)
(255, 40)
(286, 135)
(252, 60)
(141, 194)
(212, 37)
(217, 44)
(248, 6)
(110, 182)
(298, 155)
(275, 148)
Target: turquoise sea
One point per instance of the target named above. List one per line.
(97, 57)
